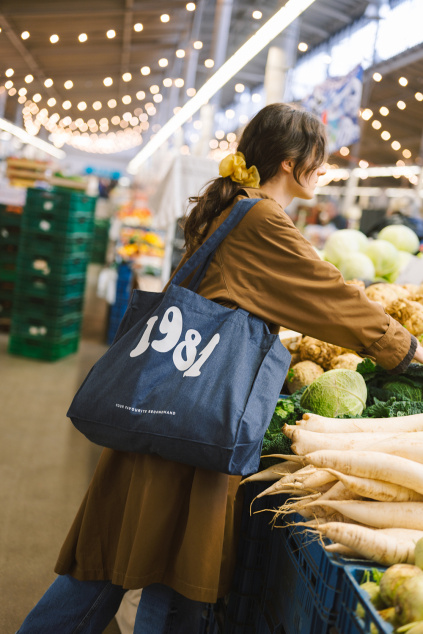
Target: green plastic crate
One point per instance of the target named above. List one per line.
(50, 265)
(46, 329)
(7, 271)
(9, 235)
(43, 350)
(38, 244)
(5, 308)
(36, 285)
(29, 306)
(50, 222)
(60, 200)
(9, 216)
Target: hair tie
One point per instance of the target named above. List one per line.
(234, 165)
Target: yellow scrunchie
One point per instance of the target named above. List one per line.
(234, 165)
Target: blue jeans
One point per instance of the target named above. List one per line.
(86, 607)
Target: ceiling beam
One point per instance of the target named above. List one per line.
(334, 13)
(401, 60)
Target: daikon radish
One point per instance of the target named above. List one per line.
(377, 514)
(343, 551)
(286, 481)
(399, 424)
(274, 472)
(368, 543)
(407, 534)
(379, 490)
(339, 491)
(304, 441)
(390, 468)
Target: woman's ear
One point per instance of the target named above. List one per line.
(287, 166)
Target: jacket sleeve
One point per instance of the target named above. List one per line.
(276, 274)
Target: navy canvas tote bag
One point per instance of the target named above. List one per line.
(186, 378)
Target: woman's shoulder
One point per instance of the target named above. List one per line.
(266, 213)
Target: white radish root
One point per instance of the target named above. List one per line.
(273, 473)
(343, 551)
(304, 441)
(371, 544)
(377, 514)
(399, 424)
(390, 468)
(379, 490)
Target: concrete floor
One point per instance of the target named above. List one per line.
(45, 464)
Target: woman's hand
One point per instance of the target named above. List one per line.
(419, 354)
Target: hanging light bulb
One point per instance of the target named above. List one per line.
(138, 27)
(54, 39)
(83, 37)
(111, 33)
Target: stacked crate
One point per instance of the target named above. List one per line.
(54, 252)
(100, 241)
(10, 221)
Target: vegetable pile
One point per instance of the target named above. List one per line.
(372, 260)
(356, 479)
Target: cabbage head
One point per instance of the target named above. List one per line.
(403, 238)
(403, 389)
(357, 266)
(343, 242)
(384, 256)
(336, 393)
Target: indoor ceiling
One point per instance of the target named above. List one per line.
(86, 64)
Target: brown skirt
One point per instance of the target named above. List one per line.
(147, 520)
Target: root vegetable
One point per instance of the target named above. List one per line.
(320, 352)
(391, 468)
(379, 490)
(409, 600)
(343, 551)
(274, 472)
(384, 549)
(400, 424)
(348, 360)
(378, 514)
(393, 578)
(302, 374)
(304, 442)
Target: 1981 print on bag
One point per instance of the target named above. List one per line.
(171, 326)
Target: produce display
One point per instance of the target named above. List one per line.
(382, 259)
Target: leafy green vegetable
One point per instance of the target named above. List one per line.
(336, 393)
(405, 388)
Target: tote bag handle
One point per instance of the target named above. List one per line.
(205, 253)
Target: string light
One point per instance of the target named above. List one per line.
(22, 92)
(48, 83)
(257, 15)
(367, 114)
(191, 92)
(401, 105)
(384, 111)
(190, 6)
(145, 70)
(112, 103)
(29, 79)
(419, 96)
(406, 154)
(229, 114)
(37, 97)
(107, 81)
(377, 77)
(396, 145)
(180, 53)
(83, 37)
(209, 63)
(68, 84)
(403, 81)
(12, 91)
(25, 35)
(158, 98)
(82, 105)
(179, 82)
(198, 45)
(302, 46)
(154, 89)
(54, 38)
(239, 87)
(111, 33)
(51, 102)
(140, 95)
(344, 151)
(97, 105)
(8, 84)
(363, 164)
(386, 135)
(376, 124)
(10, 72)
(126, 99)
(126, 76)
(163, 62)
(66, 105)
(165, 17)
(138, 27)
(167, 82)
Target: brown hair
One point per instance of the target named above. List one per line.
(277, 133)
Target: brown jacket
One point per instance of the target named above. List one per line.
(146, 520)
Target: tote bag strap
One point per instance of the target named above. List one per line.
(205, 253)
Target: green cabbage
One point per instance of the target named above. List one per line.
(342, 243)
(403, 238)
(336, 393)
(357, 266)
(384, 256)
(403, 389)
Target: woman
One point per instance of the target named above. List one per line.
(171, 528)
